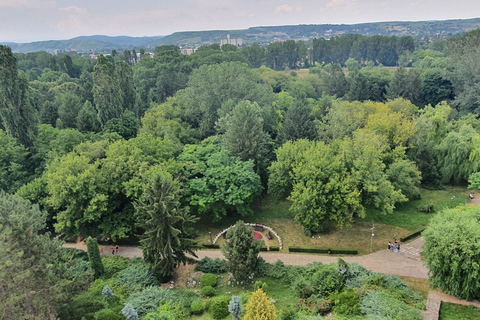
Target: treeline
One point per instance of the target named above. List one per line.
(83, 147)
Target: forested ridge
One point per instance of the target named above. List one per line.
(98, 144)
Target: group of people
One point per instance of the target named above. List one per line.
(394, 246)
(114, 249)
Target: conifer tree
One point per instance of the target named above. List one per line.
(129, 312)
(241, 251)
(235, 307)
(259, 307)
(94, 257)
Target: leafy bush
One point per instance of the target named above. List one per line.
(209, 265)
(114, 264)
(317, 304)
(322, 250)
(303, 288)
(260, 285)
(328, 280)
(208, 279)
(208, 291)
(109, 314)
(197, 307)
(68, 254)
(159, 316)
(346, 303)
(136, 277)
(262, 267)
(381, 305)
(294, 272)
(358, 276)
(277, 270)
(218, 307)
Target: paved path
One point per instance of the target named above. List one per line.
(407, 263)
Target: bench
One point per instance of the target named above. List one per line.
(269, 236)
(259, 228)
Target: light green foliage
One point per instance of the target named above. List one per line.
(454, 154)
(29, 280)
(197, 307)
(208, 291)
(451, 250)
(109, 314)
(136, 277)
(94, 257)
(208, 279)
(218, 182)
(303, 287)
(405, 176)
(474, 181)
(168, 227)
(381, 305)
(209, 87)
(259, 307)
(114, 264)
(241, 252)
(218, 307)
(126, 125)
(13, 162)
(327, 280)
(260, 285)
(346, 303)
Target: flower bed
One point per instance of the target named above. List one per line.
(280, 243)
(257, 236)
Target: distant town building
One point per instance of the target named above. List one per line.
(235, 41)
(187, 51)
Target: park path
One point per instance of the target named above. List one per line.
(407, 263)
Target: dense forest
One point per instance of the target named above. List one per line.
(96, 143)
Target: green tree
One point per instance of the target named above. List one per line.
(298, 123)
(30, 283)
(13, 163)
(254, 54)
(241, 251)
(451, 250)
(107, 93)
(168, 227)
(259, 307)
(217, 182)
(87, 119)
(94, 257)
(235, 307)
(17, 113)
(126, 126)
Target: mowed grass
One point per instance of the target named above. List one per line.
(405, 219)
(420, 286)
(452, 311)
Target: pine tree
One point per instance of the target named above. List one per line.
(241, 251)
(235, 307)
(169, 233)
(94, 257)
(259, 307)
(107, 292)
(129, 312)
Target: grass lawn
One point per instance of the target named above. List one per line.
(405, 219)
(418, 285)
(452, 311)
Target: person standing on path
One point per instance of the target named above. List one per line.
(113, 251)
(389, 246)
(101, 250)
(398, 249)
(116, 248)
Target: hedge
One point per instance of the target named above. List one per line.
(412, 235)
(322, 250)
(210, 246)
(274, 248)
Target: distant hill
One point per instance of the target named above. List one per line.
(262, 35)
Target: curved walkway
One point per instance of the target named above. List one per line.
(407, 263)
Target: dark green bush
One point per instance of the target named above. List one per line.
(294, 272)
(303, 288)
(210, 246)
(136, 277)
(412, 235)
(317, 304)
(209, 265)
(109, 314)
(208, 279)
(277, 270)
(322, 250)
(68, 254)
(218, 307)
(327, 280)
(274, 248)
(263, 249)
(346, 303)
(262, 268)
(208, 291)
(197, 307)
(114, 264)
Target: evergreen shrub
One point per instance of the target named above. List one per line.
(208, 291)
(218, 307)
(208, 279)
(209, 265)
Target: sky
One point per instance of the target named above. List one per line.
(38, 20)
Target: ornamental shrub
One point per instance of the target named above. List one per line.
(197, 307)
(346, 303)
(94, 257)
(108, 314)
(136, 277)
(328, 280)
(129, 312)
(218, 307)
(209, 265)
(235, 307)
(303, 288)
(208, 291)
(381, 305)
(208, 279)
(259, 307)
(114, 264)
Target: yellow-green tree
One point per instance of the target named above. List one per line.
(259, 307)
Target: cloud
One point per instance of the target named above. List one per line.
(73, 18)
(283, 8)
(28, 3)
(334, 3)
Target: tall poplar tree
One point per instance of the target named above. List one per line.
(17, 113)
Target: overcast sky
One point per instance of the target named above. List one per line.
(34, 20)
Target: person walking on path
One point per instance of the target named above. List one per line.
(113, 251)
(116, 248)
(398, 249)
(101, 250)
(389, 246)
